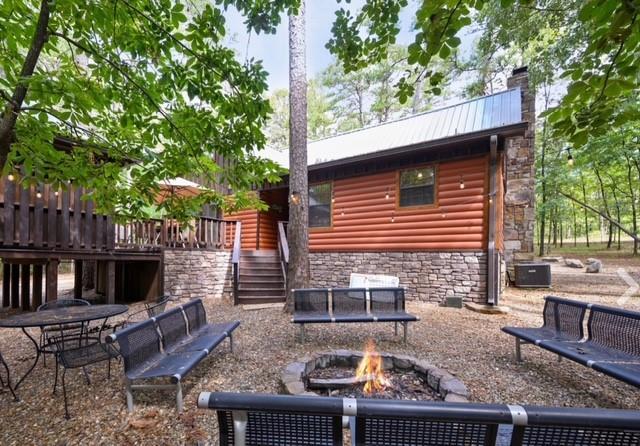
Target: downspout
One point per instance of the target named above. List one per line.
(493, 257)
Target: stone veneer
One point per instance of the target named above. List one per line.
(198, 273)
(519, 201)
(428, 276)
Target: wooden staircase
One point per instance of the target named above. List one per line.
(260, 277)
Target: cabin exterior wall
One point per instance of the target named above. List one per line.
(366, 215)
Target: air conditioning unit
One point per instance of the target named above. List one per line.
(533, 275)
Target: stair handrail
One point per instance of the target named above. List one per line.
(235, 260)
(283, 249)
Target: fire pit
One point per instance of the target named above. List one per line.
(371, 374)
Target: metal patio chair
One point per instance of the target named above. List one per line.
(8, 385)
(48, 334)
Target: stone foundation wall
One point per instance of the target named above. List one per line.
(428, 276)
(197, 273)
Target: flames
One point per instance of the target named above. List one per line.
(370, 370)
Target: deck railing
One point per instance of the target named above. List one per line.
(235, 260)
(47, 219)
(283, 248)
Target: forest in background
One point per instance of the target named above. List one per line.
(585, 192)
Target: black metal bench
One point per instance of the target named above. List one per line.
(265, 420)
(612, 345)
(563, 321)
(343, 305)
(168, 346)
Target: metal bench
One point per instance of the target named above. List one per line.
(563, 321)
(254, 419)
(612, 345)
(344, 305)
(165, 347)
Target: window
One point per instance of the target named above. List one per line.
(320, 205)
(417, 187)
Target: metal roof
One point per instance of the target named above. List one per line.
(487, 112)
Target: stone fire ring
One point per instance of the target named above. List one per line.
(293, 379)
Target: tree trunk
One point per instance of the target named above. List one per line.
(12, 109)
(575, 224)
(634, 210)
(88, 274)
(586, 216)
(298, 228)
(606, 203)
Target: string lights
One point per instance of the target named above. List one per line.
(461, 182)
(38, 193)
(11, 177)
(569, 157)
(386, 196)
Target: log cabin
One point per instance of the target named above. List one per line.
(440, 199)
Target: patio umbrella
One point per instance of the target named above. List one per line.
(178, 187)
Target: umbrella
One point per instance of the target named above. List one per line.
(179, 187)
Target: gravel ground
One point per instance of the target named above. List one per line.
(467, 344)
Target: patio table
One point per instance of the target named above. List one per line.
(59, 316)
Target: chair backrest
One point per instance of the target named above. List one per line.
(268, 420)
(311, 300)
(61, 303)
(386, 300)
(565, 316)
(272, 420)
(577, 426)
(615, 328)
(349, 300)
(172, 326)
(196, 314)
(157, 307)
(138, 344)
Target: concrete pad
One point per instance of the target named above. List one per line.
(249, 307)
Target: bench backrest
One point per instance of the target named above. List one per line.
(349, 300)
(276, 420)
(577, 426)
(565, 316)
(615, 328)
(386, 300)
(196, 314)
(172, 326)
(311, 300)
(139, 344)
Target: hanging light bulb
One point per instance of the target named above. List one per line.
(461, 182)
(419, 175)
(38, 194)
(569, 157)
(11, 177)
(393, 217)
(386, 196)
(56, 193)
(333, 198)
(490, 199)
(444, 215)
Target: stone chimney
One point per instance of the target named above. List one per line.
(519, 203)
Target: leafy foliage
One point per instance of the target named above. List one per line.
(595, 43)
(146, 86)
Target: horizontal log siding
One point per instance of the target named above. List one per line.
(362, 215)
(249, 219)
(268, 231)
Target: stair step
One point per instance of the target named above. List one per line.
(270, 259)
(262, 278)
(260, 300)
(257, 292)
(276, 270)
(260, 285)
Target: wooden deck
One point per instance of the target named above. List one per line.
(40, 226)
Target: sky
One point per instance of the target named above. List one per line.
(273, 50)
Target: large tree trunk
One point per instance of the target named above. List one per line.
(586, 217)
(298, 228)
(12, 109)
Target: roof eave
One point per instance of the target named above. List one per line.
(504, 131)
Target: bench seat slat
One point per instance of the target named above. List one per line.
(627, 372)
(170, 365)
(586, 352)
(535, 335)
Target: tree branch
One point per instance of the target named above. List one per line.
(10, 115)
(603, 215)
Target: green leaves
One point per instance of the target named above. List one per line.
(147, 90)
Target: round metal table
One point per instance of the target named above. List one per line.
(59, 316)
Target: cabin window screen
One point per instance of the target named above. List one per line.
(417, 187)
(320, 205)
